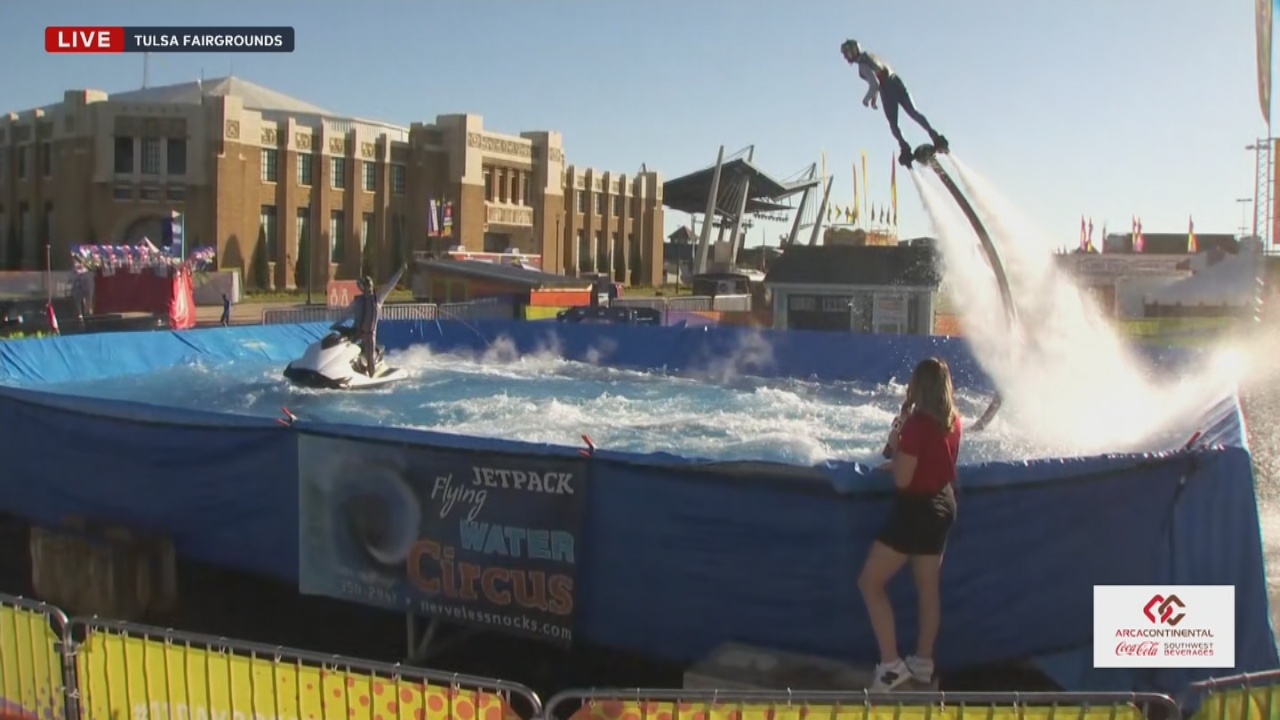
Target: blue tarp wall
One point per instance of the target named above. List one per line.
(682, 555)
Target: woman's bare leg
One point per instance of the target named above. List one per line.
(883, 562)
(927, 570)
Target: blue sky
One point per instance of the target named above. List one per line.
(1096, 107)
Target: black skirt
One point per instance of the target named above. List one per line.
(919, 524)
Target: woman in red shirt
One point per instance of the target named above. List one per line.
(924, 470)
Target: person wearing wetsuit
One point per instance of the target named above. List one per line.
(883, 81)
(367, 309)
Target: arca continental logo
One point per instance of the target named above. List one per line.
(1159, 609)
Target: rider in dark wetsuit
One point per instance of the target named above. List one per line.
(893, 93)
(367, 309)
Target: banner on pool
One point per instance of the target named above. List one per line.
(472, 537)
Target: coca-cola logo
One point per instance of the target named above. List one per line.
(1159, 609)
(1146, 648)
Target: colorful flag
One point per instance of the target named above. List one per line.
(1084, 240)
(1139, 243)
(433, 219)
(1089, 238)
(447, 224)
(1102, 246)
(1193, 246)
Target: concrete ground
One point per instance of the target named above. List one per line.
(241, 313)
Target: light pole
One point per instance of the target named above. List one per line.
(1262, 189)
(1244, 204)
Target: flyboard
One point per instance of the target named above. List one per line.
(335, 362)
(928, 155)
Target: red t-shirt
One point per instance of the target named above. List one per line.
(934, 450)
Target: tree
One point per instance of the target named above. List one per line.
(301, 278)
(260, 267)
(369, 258)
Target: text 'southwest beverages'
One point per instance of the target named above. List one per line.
(68, 39)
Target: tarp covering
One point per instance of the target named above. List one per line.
(680, 556)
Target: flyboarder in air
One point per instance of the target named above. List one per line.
(882, 81)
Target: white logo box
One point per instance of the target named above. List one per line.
(1164, 626)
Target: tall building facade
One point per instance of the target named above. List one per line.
(290, 193)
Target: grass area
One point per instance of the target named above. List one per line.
(646, 291)
(1157, 327)
(25, 336)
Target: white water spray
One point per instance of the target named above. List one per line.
(1068, 379)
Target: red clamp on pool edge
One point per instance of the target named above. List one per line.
(591, 447)
(288, 419)
(1192, 441)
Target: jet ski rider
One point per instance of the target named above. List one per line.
(365, 321)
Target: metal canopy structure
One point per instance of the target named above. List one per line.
(731, 189)
(689, 193)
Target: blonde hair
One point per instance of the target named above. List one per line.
(929, 392)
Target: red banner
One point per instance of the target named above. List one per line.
(182, 306)
(340, 293)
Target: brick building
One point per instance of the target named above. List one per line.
(266, 177)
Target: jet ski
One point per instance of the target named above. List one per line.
(335, 362)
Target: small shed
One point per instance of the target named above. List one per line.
(454, 281)
(880, 289)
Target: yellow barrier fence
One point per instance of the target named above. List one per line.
(132, 672)
(32, 673)
(770, 705)
(1254, 696)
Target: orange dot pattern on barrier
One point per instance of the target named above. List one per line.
(667, 710)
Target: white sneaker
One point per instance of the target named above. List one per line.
(889, 676)
(921, 668)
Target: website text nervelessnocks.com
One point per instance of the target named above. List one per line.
(522, 623)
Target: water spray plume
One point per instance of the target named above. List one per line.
(1069, 380)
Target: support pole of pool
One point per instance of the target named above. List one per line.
(704, 242)
(736, 237)
(804, 204)
(822, 214)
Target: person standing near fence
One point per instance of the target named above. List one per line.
(225, 320)
(924, 453)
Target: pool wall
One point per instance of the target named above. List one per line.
(679, 555)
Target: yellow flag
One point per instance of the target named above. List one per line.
(893, 189)
(836, 207)
(855, 193)
(824, 165)
(866, 181)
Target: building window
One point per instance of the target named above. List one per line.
(46, 159)
(617, 205)
(584, 252)
(488, 185)
(336, 237)
(370, 176)
(338, 176)
(176, 157)
(176, 193)
(270, 165)
(635, 206)
(268, 229)
(582, 201)
(397, 179)
(366, 230)
(149, 194)
(599, 203)
(122, 192)
(515, 187)
(150, 156)
(526, 187)
(22, 163)
(503, 176)
(124, 156)
(306, 164)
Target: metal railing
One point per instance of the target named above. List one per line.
(1251, 696)
(476, 309)
(830, 705)
(34, 669)
(53, 668)
(126, 670)
(688, 303)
